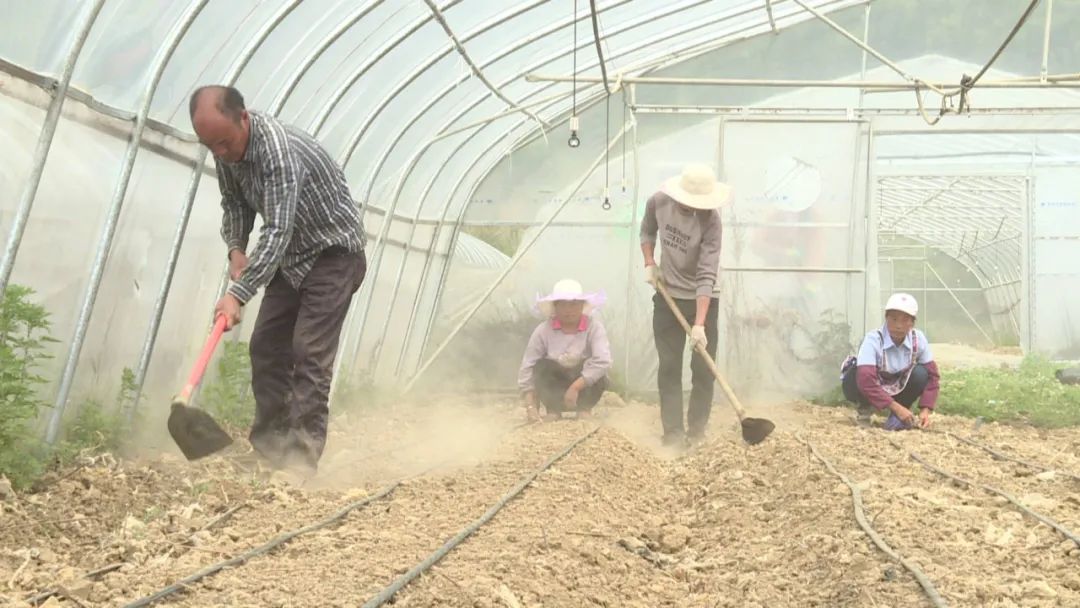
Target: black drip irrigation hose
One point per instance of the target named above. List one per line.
(387, 594)
(244, 557)
(860, 517)
(184, 583)
(1016, 503)
(1003, 456)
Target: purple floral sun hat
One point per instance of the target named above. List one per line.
(568, 290)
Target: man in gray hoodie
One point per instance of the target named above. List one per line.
(685, 213)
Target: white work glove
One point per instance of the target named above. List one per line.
(652, 275)
(697, 336)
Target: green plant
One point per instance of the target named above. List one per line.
(1030, 394)
(227, 396)
(95, 428)
(24, 338)
(831, 344)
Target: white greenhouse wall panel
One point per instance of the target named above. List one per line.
(61, 238)
(1055, 250)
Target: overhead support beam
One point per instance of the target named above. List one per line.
(846, 113)
(870, 85)
(490, 119)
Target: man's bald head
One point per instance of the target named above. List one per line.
(226, 100)
(221, 121)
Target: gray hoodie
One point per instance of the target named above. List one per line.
(690, 245)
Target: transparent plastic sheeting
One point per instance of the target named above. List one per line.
(765, 229)
(379, 81)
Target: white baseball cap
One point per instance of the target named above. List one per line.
(903, 302)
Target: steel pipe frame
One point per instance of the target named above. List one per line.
(283, 96)
(419, 71)
(460, 47)
(1046, 41)
(424, 273)
(376, 258)
(691, 48)
(867, 85)
(528, 140)
(522, 251)
(769, 14)
(374, 58)
(50, 84)
(521, 142)
(181, 227)
(200, 165)
(490, 119)
(970, 317)
(624, 27)
(674, 57)
(845, 112)
(867, 49)
(634, 194)
(405, 254)
(113, 215)
(276, 106)
(44, 144)
(697, 48)
(370, 181)
(416, 156)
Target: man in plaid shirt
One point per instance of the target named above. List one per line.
(309, 257)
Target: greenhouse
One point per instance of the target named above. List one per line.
(494, 148)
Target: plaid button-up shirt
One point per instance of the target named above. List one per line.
(300, 192)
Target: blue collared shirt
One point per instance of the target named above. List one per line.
(879, 349)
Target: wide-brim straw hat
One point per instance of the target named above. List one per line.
(568, 290)
(697, 188)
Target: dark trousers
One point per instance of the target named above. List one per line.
(293, 347)
(552, 380)
(670, 343)
(907, 397)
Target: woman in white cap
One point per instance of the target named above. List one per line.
(566, 363)
(684, 215)
(893, 369)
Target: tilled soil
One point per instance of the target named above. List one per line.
(620, 521)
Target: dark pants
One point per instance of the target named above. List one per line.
(552, 380)
(907, 397)
(670, 343)
(293, 347)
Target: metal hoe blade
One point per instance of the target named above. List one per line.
(196, 432)
(755, 430)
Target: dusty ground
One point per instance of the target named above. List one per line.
(620, 521)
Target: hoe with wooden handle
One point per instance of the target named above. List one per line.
(754, 430)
